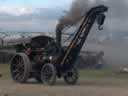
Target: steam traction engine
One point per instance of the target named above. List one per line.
(44, 60)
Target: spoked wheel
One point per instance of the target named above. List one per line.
(20, 68)
(48, 74)
(71, 76)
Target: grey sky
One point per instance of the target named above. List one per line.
(45, 19)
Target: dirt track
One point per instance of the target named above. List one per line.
(99, 83)
(83, 88)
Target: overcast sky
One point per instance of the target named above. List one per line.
(31, 15)
(43, 15)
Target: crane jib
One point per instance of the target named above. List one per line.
(67, 59)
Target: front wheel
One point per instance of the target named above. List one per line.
(48, 74)
(71, 76)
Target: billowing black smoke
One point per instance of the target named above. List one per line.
(78, 9)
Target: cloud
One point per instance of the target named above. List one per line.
(24, 19)
(28, 26)
(15, 11)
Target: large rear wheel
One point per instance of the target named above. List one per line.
(48, 74)
(20, 68)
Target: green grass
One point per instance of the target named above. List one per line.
(4, 70)
(84, 74)
(104, 77)
(102, 74)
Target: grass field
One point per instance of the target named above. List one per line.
(92, 83)
(84, 74)
(4, 70)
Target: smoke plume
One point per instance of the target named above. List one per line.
(77, 11)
